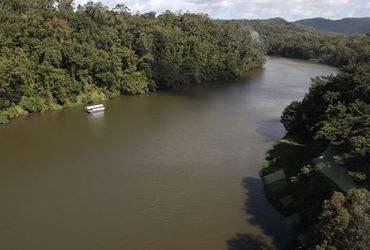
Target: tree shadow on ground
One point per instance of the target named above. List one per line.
(260, 213)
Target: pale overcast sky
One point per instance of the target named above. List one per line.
(250, 9)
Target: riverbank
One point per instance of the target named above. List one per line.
(293, 184)
(325, 157)
(182, 163)
(80, 56)
(93, 96)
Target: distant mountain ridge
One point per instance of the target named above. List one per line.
(353, 25)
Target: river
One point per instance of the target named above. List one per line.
(171, 170)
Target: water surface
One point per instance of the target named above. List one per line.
(170, 170)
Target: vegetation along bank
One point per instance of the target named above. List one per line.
(318, 174)
(54, 56)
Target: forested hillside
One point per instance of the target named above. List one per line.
(55, 56)
(360, 25)
(287, 39)
(327, 149)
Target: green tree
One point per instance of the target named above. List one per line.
(54, 55)
(345, 221)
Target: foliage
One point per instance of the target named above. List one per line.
(345, 221)
(32, 104)
(136, 83)
(294, 155)
(11, 113)
(293, 40)
(290, 118)
(334, 114)
(3, 117)
(52, 55)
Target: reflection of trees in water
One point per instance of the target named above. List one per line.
(260, 213)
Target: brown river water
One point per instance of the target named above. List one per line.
(171, 170)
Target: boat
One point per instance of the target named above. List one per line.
(95, 108)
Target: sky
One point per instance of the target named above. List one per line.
(251, 9)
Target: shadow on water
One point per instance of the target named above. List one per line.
(271, 130)
(202, 91)
(248, 242)
(261, 214)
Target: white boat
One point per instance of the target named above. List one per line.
(95, 108)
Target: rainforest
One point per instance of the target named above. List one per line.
(205, 117)
(54, 56)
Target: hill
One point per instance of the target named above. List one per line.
(346, 25)
(283, 38)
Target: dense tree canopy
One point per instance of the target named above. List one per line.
(293, 40)
(336, 112)
(345, 221)
(54, 56)
(334, 116)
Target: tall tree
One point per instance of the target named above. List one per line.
(345, 221)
